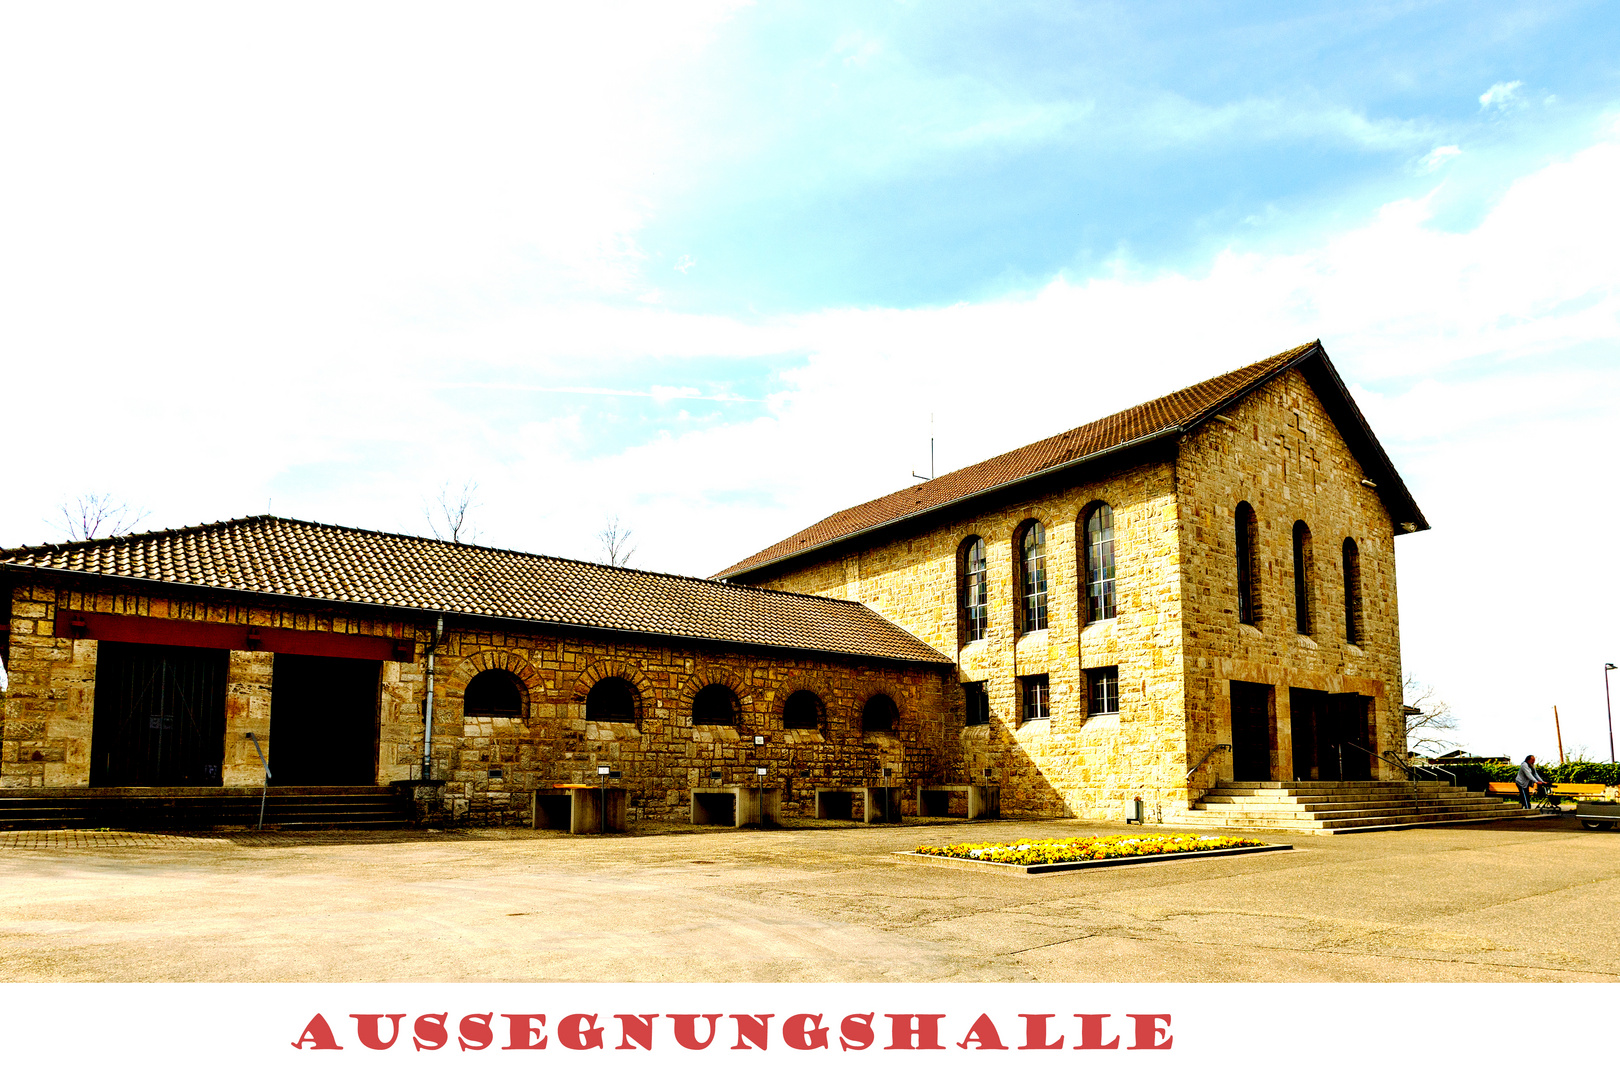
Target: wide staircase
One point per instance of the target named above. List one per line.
(1341, 806)
(203, 808)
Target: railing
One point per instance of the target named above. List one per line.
(1207, 755)
(264, 794)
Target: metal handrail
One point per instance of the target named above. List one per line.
(1207, 755)
(264, 794)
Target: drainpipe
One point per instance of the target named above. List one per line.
(427, 712)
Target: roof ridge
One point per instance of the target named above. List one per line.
(1260, 372)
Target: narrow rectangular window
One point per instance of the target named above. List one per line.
(1304, 578)
(1100, 563)
(1352, 592)
(975, 590)
(1102, 685)
(1037, 697)
(978, 704)
(1034, 577)
(1248, 577)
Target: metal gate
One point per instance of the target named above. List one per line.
(159, 716)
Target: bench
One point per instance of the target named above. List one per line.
(1558, 790)
(736, 806)
(578, 808)
(976, 800)
(877, 804)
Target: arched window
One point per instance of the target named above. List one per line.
(613, 699)
(1304, 578)
(1032, 576)
(1352, 592)
(880, 713)
(1099, 579)
(1248, 565)
(714, 704)
(975, 589)
(803, 710)
(493, 693)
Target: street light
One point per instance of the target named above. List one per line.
(1609, 702)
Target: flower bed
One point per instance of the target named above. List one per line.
(1086, 848)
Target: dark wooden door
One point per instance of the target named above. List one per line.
(323, 720)
(159, 716)
(1251, 731)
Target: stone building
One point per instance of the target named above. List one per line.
(146, 661)
(1198, 588)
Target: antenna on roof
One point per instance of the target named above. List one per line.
(930, 475)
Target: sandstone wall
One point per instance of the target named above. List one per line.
(1071, 763)
(48, 714)
(1280, 452)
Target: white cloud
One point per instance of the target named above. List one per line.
(1437, 157)
(1501, 95)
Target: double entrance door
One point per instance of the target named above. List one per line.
(1331, 735)
(159, 716)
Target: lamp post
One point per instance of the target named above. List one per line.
(1609, 704)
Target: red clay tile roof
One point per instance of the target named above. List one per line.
(1160, 417)
(284, 557)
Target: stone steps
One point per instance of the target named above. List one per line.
(338, 808)
(1325, 806)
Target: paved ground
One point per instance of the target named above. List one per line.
(1534, 900)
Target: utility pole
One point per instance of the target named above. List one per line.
(1609, 702)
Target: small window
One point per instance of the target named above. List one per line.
(714, 704)
(977, 702)
(1032, 576)
(1099, 579)
(1248, 566)
(1352, 592)
(1304, 578)
(493, 693)
(803, 710)
(611, 700)
(1037, 697)
(880, 714)
(975, 590)
(1102, 686)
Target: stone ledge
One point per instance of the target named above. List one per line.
(1089, 864)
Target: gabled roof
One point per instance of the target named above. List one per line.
(1170, 416)
(284, 557)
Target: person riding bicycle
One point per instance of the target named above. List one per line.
(1529, 778)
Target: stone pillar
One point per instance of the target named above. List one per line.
(247, 708)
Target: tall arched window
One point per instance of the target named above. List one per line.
(975, 590)
(1099, 578)
(1032, 576)
(880, 713)
(1248, 565)
(1304, 578)
(714, 704)
(1352, 592)
(493, 693)
(803, 710)
(611, 700)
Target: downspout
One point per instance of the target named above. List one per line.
(427, 711)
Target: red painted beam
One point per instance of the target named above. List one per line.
(145, 630)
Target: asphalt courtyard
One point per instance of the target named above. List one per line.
(1535, 900)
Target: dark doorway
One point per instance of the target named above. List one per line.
(159, 716)
(323, 720)
(1330, 735)
(1348, 725)
(1305, 708)
(1251, 731)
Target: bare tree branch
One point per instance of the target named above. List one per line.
(92, 516)
(617, 550)
(450, 517)
(1428, 728)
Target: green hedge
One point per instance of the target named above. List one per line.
(1475, 776)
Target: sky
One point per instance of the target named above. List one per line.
(717, 270)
